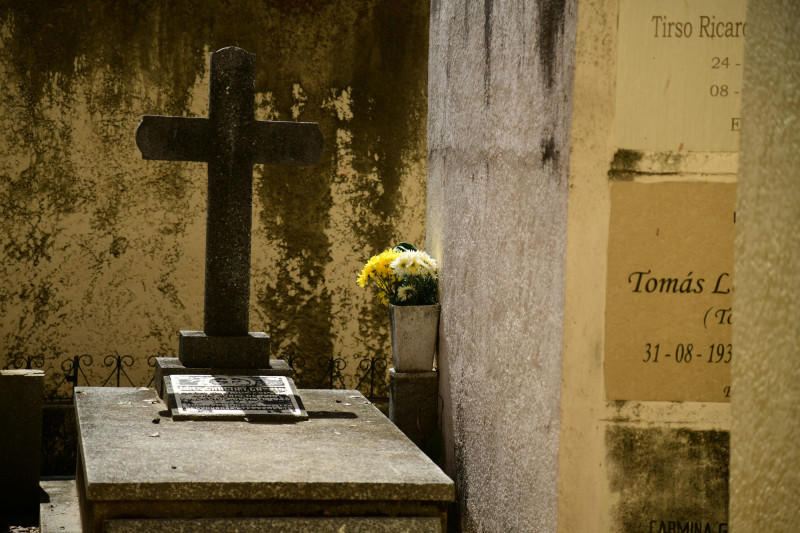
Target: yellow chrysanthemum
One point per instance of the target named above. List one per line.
(404, 293)
(383, 266)
(378, 267)
(367, 271)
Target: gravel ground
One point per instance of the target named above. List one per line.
(19, 524)
(7, 526)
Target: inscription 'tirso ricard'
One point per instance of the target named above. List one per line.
(705, 26)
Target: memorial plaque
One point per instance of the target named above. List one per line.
(679, 74)
(670, 291)
(198, 396)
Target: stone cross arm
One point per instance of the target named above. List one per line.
(192, 139)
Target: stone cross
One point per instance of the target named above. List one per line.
(230, 140)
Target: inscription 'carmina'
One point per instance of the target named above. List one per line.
(679, 526)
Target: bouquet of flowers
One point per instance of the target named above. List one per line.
(403, 276)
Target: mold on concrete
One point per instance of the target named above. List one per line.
(551, 15)
(668, 479)
(628, 165)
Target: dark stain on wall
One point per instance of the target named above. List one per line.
(487, 50)
(629, 164)
(550, 31)
(550, 153)
(387, 111)
(625, 159)
(668, 475)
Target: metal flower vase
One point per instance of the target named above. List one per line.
(414, 332)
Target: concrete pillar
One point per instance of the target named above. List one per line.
(499, 95)
(414, 406)
(764, 474)
(21, 396)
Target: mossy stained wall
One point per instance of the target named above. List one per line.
(102, 253)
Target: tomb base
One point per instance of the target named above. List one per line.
(347, 465)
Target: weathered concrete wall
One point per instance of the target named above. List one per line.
(499, 107)
(102, 253)
(765, 479)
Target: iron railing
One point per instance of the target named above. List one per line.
(323, 372)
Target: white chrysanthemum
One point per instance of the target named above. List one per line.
(414, 264)
(405, 264)
(428, 264)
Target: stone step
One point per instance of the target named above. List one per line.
(284, 525)
(61, 514)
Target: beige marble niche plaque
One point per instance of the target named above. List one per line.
(670, 291)
(679, 73)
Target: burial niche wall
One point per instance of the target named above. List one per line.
(648, 344)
